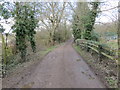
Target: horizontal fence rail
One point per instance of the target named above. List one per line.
(100, 49)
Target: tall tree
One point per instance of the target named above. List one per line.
(24, 27)
(4, 14)
(119, 45)
(80, 12)
(51, 16)
(90, 20)
(85, 18)
(75, 26)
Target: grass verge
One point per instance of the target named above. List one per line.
(48, 50)
(99, 68)
(22, 71)
(32, 59)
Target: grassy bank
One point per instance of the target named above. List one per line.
(32, 59)
(86, 56)
(101, 69)
(48, 50)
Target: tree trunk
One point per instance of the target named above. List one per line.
(4, 57)
(119, 45)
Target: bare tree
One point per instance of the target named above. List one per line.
(51, 15)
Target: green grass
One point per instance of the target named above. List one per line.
(48, 50)
(77, 48)
(112, 82)
(86, 56)
(112, 44)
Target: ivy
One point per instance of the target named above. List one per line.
(90, 20)
(24, 28)
(76, 29)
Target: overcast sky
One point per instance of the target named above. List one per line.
(104, 17)
(110, 15)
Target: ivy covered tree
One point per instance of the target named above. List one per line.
(24, 27)
(4, 14)
(80, 12)
(76, 29)
(90, 20)
(84, 20)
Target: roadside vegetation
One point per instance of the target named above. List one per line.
(101, 69)
(97, 43)
(108, 35)
(38, 28)
(30, 36)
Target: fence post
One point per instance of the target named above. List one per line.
(77, 42)
(88, 49)
(99, 54)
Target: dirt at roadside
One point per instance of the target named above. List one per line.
(106, 69)
(61, 68)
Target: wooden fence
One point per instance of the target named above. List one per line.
(100, 49)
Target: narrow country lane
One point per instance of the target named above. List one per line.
(62, 68)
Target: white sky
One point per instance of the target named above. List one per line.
(111, 15)
(106, 16)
